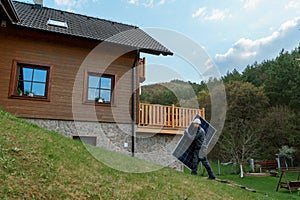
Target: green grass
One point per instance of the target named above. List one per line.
(265, 186)
(39, 164)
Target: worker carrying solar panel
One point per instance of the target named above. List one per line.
(199, 148)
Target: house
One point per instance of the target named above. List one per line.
(72, 73)
(80, 76)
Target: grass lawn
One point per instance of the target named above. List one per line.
(39, 164)
(265, 186)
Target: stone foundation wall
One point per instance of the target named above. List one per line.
(153, 148)
(158, 148)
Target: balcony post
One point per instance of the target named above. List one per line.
(173, 115)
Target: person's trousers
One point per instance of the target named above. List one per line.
(204, 162)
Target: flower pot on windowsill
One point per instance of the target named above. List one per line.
(20, 92)
(99, 100)
(29, 94)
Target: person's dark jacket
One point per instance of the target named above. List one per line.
(199, 139)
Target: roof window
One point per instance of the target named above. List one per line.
(53, 22)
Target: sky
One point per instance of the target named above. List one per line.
(233, 33)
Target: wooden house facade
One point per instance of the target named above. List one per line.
(40, 60)
(71, 73)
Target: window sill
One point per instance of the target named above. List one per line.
(93, 103)
(34, 98)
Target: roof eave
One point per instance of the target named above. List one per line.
(156, 52)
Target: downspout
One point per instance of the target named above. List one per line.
(133, 102)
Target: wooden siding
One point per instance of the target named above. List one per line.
(65, 54)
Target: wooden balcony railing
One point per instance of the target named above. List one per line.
(167, 116)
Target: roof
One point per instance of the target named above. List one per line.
(34, 17)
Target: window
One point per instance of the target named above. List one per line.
(99, 88)
(91, 140)
(57, 23)
(30, 81)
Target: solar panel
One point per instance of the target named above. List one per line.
(183, 152)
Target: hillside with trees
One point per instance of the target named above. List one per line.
(263, 111)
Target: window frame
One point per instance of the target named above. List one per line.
(13, 93)
(86, 88)
(57, 23)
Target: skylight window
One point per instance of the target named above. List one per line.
(53, 22)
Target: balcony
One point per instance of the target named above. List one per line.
(154, 118)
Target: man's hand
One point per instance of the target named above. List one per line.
(190, 136)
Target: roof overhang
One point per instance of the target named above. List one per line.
(157, 53)
(138, 39)
(165, 52)
(8, 11)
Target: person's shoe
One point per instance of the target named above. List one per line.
(211, 178)
(194, 173)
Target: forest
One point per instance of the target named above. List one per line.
(263, 108)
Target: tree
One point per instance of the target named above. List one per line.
(280, 78)
(287, 152)
(203, 98)
(278, 128)
(255, 74)
(158, 94)
(282, 82)
(175, 92)
(232, 76)
(246, 103)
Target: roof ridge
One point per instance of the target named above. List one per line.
(82, 15)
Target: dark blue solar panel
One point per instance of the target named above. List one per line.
(183, 152)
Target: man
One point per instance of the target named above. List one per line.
(199, 148)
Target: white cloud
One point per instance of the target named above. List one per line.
(246, 51)
(217, 15)
(292, 5)
(148, 3)
(68, 3)
(161, 2)
(199, 12)
(214, 15)
(289, 24)
(250, 4)
(209, 64)
(133, 2)
(70, 10)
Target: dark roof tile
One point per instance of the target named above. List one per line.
(87, 27)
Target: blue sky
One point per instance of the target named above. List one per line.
(234, 33)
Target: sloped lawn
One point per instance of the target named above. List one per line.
(39, 164)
